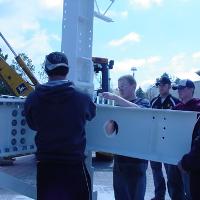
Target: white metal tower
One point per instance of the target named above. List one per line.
(77, 38)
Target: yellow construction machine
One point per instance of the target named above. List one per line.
(15, 83)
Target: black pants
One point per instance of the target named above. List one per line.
(174, 181)
(63, 181)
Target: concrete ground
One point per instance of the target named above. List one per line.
(24, 169)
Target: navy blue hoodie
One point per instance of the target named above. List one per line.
(58, 112)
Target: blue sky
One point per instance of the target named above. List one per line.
(155, 36)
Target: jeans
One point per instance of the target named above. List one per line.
(159, 181)
(129, 180)
(186, 181)
(174, 181)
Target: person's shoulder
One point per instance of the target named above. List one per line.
(178, 106)
(31, 96)
(173, 98)
(154, 99)
(197, 100)
(197, 103)
(31, 99)
(144, 102)
(82, 95)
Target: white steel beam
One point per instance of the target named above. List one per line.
(151, 134)
(77, 37)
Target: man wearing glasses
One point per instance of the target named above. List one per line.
(129, 174)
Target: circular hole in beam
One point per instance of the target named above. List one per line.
(111, 128)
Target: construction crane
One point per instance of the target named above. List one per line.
(15, 83)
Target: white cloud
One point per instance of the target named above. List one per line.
(24, 29)
(196, 55)
(51, 4)
(116, 14)
(145, 4)
(124, 67)
(146, 83)
(153, 59)
(127, 64)
(56, 37)
(178, 60)
(44, 47)
(30, 26)
(181, 66)
(131, 37)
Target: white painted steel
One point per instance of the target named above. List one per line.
(141, 133)
(16, 137)
(159, 135)
(77, 37)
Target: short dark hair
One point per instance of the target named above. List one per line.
(59, 71)
(131, 80)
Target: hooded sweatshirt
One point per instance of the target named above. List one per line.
(192, 105)
(58, 112)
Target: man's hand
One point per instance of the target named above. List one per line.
(108, 95)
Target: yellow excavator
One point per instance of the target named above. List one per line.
(15, 83)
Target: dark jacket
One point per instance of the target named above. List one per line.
(58, 112)
(169, 102)
(191, 161)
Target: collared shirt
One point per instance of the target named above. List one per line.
(168, 103)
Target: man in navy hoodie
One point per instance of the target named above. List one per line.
(58, 112)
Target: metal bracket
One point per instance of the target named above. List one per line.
(101, 15)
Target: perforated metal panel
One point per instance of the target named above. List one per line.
(77, 37)
(16, 137)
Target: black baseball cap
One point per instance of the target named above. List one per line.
(54, 60)
(183, 84)
(163, 80)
